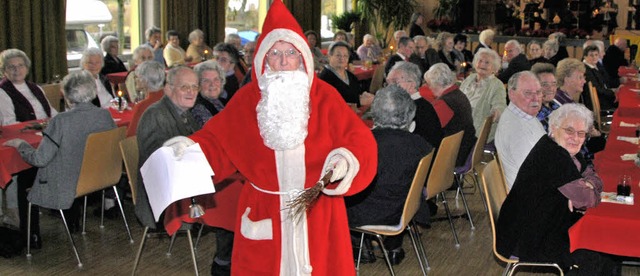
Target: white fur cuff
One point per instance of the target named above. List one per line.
(354, 167)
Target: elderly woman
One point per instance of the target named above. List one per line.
(550, 51)
(92, 62)
(453, 108)
(208, 104)
(445, 52)
(198, 50)
(227, 56)
(313, 40)
(399, 152)
(570, 78)
(174, 54)
(461, 52)
(337, 75)
(112, 64)
(546, 75)
(553, 188)
(59, 155)
(597, 78)
(486, 39)
(369, 50)
(341, 35)
(149, 80)
(485, 91)
(534, 52)
(415, 27)
(141, 54)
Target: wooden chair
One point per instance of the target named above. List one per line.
(101, 168)
(377, 80)
(129, 150)
(54, 95)
(411, 205)
(599, 125)
(495, 193)
(472, 164)
(441, 174)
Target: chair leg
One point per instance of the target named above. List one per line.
(466, 207)
(198, 238)
(193, 252)
(477, 183)
(124, 218)
(453, 227)
(73, 244)
(84, 216)
(421, 245)
(360, 253)
(144, 238)
(29, 231)
(173, 239)
(386, 254)
(101, 211)
(412, 234)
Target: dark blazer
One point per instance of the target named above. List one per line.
(478, 48)
(390, 62)
(231, 86)
(112, 65)
(517, 64)
(534, 219)
(159, 123)
(462, 120)
(107, 84)
(431, 57)
(613, 59)
(427, 123)
(540, 59)
(606, 96)
(349, 92)
(415, 30)
(444, 59)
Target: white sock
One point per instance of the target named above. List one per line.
(109, 203)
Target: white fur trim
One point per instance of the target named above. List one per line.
(255, 230)
(354, 167)
(285, 35)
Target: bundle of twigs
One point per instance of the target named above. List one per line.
(305, 200)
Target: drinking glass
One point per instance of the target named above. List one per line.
(624, 185)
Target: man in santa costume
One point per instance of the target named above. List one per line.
(283, 132)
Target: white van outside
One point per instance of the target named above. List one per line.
(79, 14)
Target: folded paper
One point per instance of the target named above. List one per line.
(632, 140)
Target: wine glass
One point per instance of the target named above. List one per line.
(624, 185)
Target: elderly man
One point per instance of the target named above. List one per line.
(112, 63)
(92, 61)
(613, 59)
(518, 129)
(406, 47)
(453, 108)
(424, 55)
(154, 40)
(149, 79)
(164, 119)
(141, 54)
(228, 57)
(514, 60)
(283, 132)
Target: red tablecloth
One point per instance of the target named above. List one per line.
(629, 100)
(116, 78)
(362, 73)
(613, 228)
(10, 160)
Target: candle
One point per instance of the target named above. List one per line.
(119, 100)
(391, 47)
(204, 57)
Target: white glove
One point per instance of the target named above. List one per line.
(345, 166)
(339, 166)
(15, 143)
(178, 144)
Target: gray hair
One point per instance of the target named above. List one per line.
(570, 111)
(106, 42)
(173, 73)
(410, 70)
(393, 108)
(151, 31)
(566, 67)
(542, 68)
(8, 54)
(152, 73)
(486, 34)
(440, 75)
(210, 65)
(230, 49)
(420, 37)
(138, 51)
(552, 44)
(79, 87)
(515, 43)
(514, 81)
(336, 44)
(369, 36)
(442, 38)
(493, 56)
(91, 52)
(197, 33)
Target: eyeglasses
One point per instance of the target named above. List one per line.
(549, 84)
(277, 54)
(531, 95)
(570, 131)
(15, 67)
(222, 59)
(186, 87)
(209, 82)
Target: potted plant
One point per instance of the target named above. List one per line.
(384, 17)
(345, 21)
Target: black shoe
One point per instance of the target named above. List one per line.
(367, 256)
(396, 256)
(220, 270)
(111, 213)
(36, 241)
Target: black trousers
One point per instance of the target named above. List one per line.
(224, 245)
(25, 182)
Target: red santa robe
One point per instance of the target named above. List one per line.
(267, 240)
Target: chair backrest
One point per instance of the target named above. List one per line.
(102, 161)
(414, 197)
(441, 175)
(478, 149)
(377, 79)
(129, 150)
(53, 94)
(495, 194)
(595, 102)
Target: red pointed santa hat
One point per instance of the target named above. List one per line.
(280, 25)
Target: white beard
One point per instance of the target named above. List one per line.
(283, 110)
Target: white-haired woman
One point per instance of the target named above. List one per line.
(553, 188)
(198, 50)
(59, 155)
(485, 91)
(112, 63)
(369, 50)
(93, 62)
(212, 80)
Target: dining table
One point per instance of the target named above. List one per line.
(363, 73)
(614, 227)
(10, 160)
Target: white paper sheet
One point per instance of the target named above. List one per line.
(167, 179)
